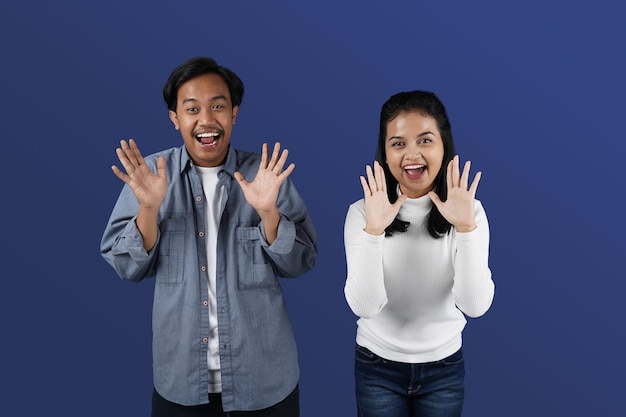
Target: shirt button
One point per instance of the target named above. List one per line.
(201, 234)
(205, 303)
(199, 198)
(205, 340)
(225, 346)
(203, 268)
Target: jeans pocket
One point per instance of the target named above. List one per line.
(454, 359)
(366, 356)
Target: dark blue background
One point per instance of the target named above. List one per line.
(536, 94)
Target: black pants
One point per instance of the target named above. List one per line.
(289, 407)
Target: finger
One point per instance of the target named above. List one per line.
(435, 199)
(370, 179)
(455, 170)
(127, 156)
(240, 179)
(381, 184)
(401, 199)
(474, 185)
(123, 157)
(161, 171)
(263, 163)
(449, 181)
(130, 150)
(274, 160)
(119, 174)
(281, 162)
(465, 175)
(366, 188)
(283, 176)
(135, 152)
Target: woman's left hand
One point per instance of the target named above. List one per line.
(458, 209)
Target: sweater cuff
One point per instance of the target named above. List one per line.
(467, 236)
(372, 238)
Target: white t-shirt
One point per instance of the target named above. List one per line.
(213, 194)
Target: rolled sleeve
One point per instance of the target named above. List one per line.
(285, 238)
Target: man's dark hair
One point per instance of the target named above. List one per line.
(428, 104)
(199, 66)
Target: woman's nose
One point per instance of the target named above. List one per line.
(413, 152)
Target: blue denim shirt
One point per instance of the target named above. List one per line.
(258, 357)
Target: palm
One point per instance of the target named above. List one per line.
(379, 212)
(149, 188)
(458, 209)
(262, 192)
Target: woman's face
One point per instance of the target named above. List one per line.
(414, 152)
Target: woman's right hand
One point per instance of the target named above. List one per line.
(379, 212)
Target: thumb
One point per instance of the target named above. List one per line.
(161, 166)
(401, 199)
(435, 198)
(240, 178)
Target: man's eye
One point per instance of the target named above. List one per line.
(218, 106)
(192, 109)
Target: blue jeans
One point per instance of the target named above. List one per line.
(386, 388)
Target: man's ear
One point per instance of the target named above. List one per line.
(174, 119)
(235, 113)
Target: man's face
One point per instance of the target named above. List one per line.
(205, 118)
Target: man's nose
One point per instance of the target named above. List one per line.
(206, 117)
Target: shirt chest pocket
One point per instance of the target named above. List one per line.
(170, 261)
(255, 268)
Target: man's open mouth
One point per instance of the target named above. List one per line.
(207, 138)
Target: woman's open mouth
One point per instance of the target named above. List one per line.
(414, 171)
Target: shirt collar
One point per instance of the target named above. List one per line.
(230, 165)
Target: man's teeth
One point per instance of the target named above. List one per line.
(207, 135)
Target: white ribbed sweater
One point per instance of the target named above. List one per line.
(410, 290)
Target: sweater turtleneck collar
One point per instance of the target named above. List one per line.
(416, 205)
(423, 202)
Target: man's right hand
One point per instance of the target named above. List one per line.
(149, 188)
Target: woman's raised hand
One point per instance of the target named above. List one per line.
(458, 209)
(379, 212)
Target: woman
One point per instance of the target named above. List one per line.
(417, 248)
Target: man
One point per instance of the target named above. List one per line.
(216, 226)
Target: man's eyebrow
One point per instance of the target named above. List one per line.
(220, 97)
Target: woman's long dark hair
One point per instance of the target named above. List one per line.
(428, 104)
